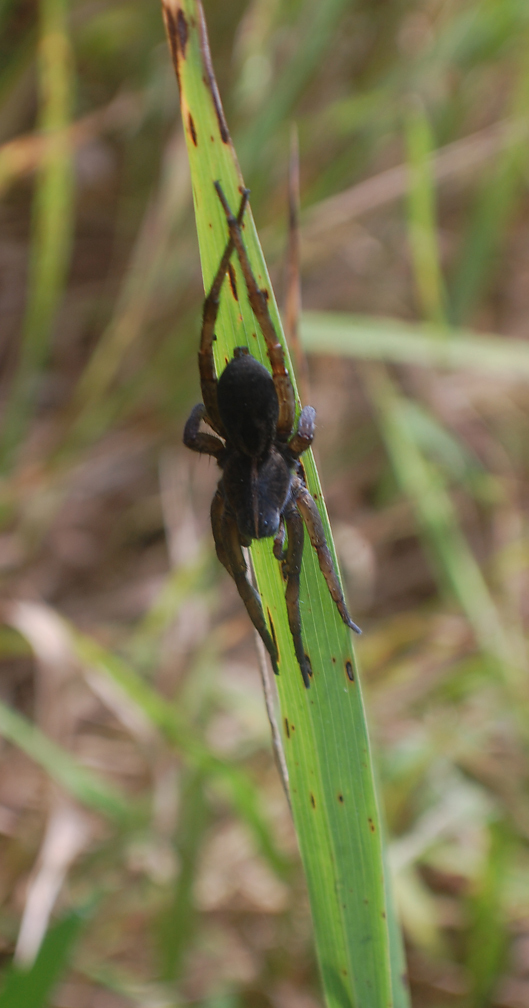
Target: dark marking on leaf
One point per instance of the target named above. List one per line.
(287, 729)
(233, 281)
(182, 32)
(340, 798)
(371, 825)
(334, 660)
(266, 293)
(209, 79)
(272, 628)
(349, 670)
(192, 129)
(309, 665)
(293, 728)
(172, 34)
(226, 359)
(383, 915)
(312, 800)
(301, 469)
(344, 971)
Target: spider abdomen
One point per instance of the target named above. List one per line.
(248, 406)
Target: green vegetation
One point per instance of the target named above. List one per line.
(131, 712)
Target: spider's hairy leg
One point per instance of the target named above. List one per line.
(229, 552)
(206, 362)
(217, 527)
(279, 541)
(304, 435)
(294, 556)
(309, 512)
(193, 438)
(258, 301)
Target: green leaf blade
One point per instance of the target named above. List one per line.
(326, 742)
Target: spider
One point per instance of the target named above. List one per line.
(262, 490)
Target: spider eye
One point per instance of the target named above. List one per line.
(268, 523)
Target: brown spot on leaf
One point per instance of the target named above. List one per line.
(233, 280)
(312, 800)
(172, 34)
(334, 660)
(182, 32)
(371, 825)
(349, 670)
(340, 798)
(287, 729)
(272, 628)
(192, 129)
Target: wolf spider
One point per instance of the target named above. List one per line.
(262, 491)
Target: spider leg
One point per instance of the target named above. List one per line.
(206, 362)
(206, 444)
(229, 552)
(258, 301)
(309, 512)
(279, 541)
(294, 556)
(304, 435)
(217, 527)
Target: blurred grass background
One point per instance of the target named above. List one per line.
(143, 828)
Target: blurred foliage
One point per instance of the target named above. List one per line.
(413, 153)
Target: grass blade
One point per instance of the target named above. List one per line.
(397, 342)
(493, 208)
(182, 735)
(325, 735)
(453, 560)
(62, 767)
(32, 988)
(52, 221)
(422, 224)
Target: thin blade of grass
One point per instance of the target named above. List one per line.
(492, 211)
(53, 219)
(177, 730)
(452, 558)
(63, 768)
(32, 988)
(422, 223)
(177, 925)
(318, 23)
(397, 342)
(325, 735)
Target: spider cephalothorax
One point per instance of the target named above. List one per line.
(262, 490)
